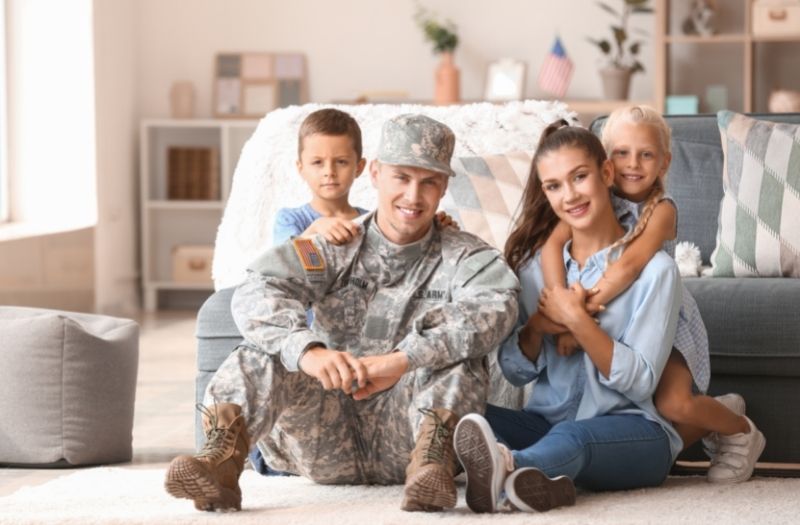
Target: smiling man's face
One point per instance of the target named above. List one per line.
(408, 198)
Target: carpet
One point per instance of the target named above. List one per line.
(129, 496)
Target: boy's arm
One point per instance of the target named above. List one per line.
(626, 269)
(286, 227)
(553, 256)
(334, 229)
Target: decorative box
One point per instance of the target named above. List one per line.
(776, 18)
(192, 263)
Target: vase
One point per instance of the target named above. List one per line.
(181, 99)
(447, 81)
(616, 82)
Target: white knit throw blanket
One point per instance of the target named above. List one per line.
(266, 178)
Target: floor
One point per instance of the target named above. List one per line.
(164, 413)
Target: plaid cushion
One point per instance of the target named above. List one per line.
(485, 193)
(759, 220)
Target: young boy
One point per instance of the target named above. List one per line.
(329, 160)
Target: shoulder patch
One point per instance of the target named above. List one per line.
(310, 257)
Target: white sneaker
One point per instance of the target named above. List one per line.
(486, 462)
(734, 403)
(529, 489)
(737, 455)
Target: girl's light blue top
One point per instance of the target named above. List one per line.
(641, 322)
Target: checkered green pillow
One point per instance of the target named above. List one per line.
(485, 194)
(759, 219)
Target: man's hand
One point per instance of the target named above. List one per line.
(383, 372)
(334, 369)
(335, 230)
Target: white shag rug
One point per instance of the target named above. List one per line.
(266, 179)
(128, 496)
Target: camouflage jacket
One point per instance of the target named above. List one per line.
(446, 298)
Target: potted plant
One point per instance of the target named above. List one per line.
(621, 51)
(442, 34)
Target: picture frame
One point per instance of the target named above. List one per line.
(251, 84)
(505, 80)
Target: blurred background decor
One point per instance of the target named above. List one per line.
(442, 34)
(505, 80)
(621, 51)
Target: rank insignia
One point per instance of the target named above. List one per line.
(309, 256)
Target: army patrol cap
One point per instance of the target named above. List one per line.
(417, 141)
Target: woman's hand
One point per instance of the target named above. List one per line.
(564, 306)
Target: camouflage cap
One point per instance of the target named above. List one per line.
(417, 141)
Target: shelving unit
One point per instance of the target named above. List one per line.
(748, 66)
(167, 223)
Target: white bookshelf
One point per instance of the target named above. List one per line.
(167, 223)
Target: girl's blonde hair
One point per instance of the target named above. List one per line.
(647, 116)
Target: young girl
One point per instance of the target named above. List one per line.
(637, 140)
(591, 421)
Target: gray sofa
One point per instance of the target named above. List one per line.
(753, 324)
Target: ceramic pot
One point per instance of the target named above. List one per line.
(181, 100)
(616, 83)
(447, 81)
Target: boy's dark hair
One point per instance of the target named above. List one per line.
(330, 121)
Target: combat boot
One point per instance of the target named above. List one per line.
(211, 477)
(429, 475)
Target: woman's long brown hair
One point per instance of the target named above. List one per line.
(535, 217)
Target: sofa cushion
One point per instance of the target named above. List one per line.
(752, 324)
(485, 193)
(759, 219)
(217, 334)
(68, 381)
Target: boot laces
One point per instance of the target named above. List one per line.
(438, 437)
(215, 435)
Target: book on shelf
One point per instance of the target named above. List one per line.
(192, 173)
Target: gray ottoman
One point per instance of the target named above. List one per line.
(68, 382)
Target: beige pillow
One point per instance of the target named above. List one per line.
(485, 193)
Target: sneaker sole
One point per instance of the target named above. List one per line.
(529, 489)
(188, 480)
(475, 454)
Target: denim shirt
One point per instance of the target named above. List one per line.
(641, 322)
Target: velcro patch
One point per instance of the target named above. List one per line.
(310, 257)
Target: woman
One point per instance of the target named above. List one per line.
(591, 419)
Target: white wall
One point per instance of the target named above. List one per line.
(354, 46)
(115, 249)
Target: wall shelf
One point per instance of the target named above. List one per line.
(167, 223)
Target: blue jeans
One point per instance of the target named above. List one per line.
(611, 452)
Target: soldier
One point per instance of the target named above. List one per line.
(405, 315)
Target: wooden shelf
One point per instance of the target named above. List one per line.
(168, 223)
(734, 58)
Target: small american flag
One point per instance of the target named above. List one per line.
(556, 71)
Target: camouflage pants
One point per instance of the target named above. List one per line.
(328, 437)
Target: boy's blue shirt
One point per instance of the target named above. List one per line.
(291, 222)
(641, 322)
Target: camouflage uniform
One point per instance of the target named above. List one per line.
(446, 300)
